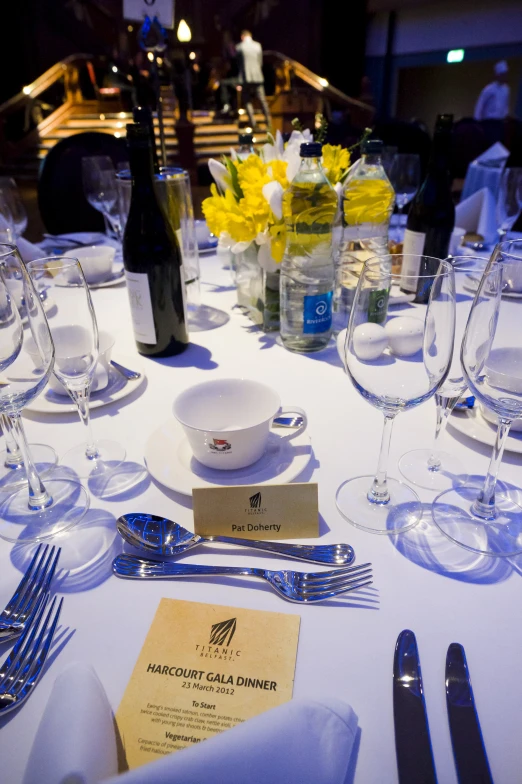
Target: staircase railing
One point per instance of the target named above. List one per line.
(21, 119)
(288, 69)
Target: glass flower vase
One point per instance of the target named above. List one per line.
(257, 289)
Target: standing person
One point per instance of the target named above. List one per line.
(493, 101)
(252, 79)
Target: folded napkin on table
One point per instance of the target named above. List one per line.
(477, 214)
(497, 154)
(486, 171)
(28, 251)
(75, 741)
(298, 742)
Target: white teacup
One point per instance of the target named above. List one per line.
(70, 356)
(227, 422)
(96, 262)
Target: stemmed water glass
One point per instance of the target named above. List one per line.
(12, 468)
(509, 199)
(395, 364)
(75, 334)
(405, 177)
(39, 510)
(9, 190)
(476, 515)
(101, 191)
(432, 468)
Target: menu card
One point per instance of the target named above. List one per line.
(203, 669)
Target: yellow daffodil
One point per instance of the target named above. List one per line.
(252, 174)
(278, 243)
(216, 210)
(278, 169)
(368, 201)
(336, 160)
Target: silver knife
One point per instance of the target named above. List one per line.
(466, 738)
(412, 735)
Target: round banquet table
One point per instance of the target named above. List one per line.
(421, 580)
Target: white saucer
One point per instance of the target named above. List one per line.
(117, 389)
(472, 424)
(207, 251)
(170, 461)
(116, 278)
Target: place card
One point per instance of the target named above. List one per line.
(288, 511)
(203, 668)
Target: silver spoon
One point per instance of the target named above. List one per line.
(288, 421)
(164, 537)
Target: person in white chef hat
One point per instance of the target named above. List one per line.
(493, 101)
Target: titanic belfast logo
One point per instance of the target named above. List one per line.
(220, 445)
(223, 632)
(255, 501)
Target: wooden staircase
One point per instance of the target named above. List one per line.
(211, 139)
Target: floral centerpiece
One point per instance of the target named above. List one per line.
(246, 209)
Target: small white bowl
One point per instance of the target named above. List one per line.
(101, 373)
(96, 262)
(504, 369)
(493, 418)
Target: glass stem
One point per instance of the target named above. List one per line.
(81, 399)
(484, 506)
(445, 406)
(13, 456)
(378, 492)
(39, 498)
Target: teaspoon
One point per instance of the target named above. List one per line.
(164, 537)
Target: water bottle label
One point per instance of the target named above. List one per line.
(378, 306)
(317, 313)
(141, 307)
(413, 244)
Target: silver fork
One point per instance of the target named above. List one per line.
(21, 670)
(294, 586)
(33, 585)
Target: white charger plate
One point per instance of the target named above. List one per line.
(472, 284)
(472, 424)
(117, 389)
(170, 461)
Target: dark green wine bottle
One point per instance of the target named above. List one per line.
(431, 218)
(152, 259)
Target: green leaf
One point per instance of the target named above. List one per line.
(232, 170)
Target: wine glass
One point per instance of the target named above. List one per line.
(7, 228)
(476, 515)
(395, 364)
(9, 189)
(75, 334)
(37, 511)
(100, 188)
(432, 468)
(12, 469)
(509, 200)
(405, 178)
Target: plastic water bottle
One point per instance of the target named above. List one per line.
(307, 269)
(366, 207)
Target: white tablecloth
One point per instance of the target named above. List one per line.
(421, 581)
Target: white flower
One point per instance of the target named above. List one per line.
(264, 257)
(219, 173)
(273, 193)
(240, 247)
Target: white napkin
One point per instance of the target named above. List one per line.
(28, 251)
(497, 152)
(298, 742)
(477, 214)
(75, 742)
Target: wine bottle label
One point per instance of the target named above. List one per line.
(141, 307)
(317, 313)
(414, 244)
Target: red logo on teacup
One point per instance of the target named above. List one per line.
(220, 445)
